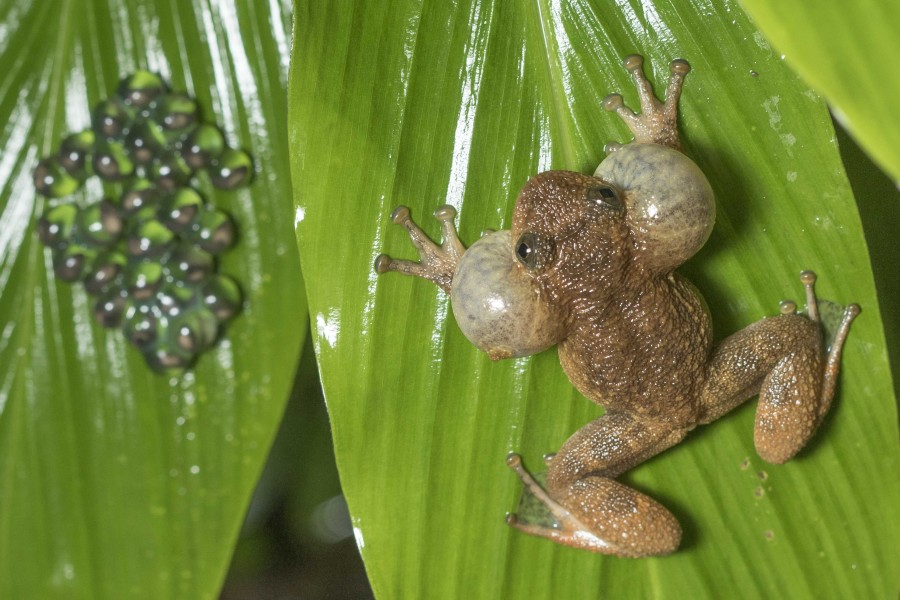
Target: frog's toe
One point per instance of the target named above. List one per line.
(382, 263)
(680, 66)
(614, 102)
(787, 307)
(678, 70)
(400, 215)
(633, 62)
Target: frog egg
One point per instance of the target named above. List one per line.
(669, 203)
(215, 231)
(105, 272)
(109, 308)
(174, 299)
(73, 262)
(140, 88)
(181, 209)
(222, 296)
(170, 172)
(231, 170)
(56, 224)
(52, 181)
(111, 119)
(99, 224)
(149, 238)
(143, 280)
(140, 325)
(175, 113)
(111, 162)
(145, 142)
(164, 359)
(140, 194)
(195, 331)
(202, 145)
(497, 304)
(74, 152)
(191, 264)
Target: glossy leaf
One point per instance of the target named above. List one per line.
(844, 52)
(423, 103)
(115, 482)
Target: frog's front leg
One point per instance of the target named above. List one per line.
(781, 358)
(657, 121)
(438, 263)
(592, 510)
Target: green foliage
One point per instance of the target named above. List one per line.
(844, 51)
(115, 482)
(422, 103)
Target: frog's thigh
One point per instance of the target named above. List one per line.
(788, 411)
(609, 446)
(780, 358)
(741, 362)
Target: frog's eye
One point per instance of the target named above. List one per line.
(533, 251)
(525, 249)
(605, 195)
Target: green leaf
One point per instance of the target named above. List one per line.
(115, 482)
(423, 103)
(844, 51)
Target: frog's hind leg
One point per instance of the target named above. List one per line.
(782, 359)
(797, 394)
(592, 510)
(833, 360)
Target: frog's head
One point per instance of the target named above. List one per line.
(514, 291)
(569, 236)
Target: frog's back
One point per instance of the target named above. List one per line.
(645, 353)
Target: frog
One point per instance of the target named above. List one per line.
(589, 265)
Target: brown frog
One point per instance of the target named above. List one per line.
(589, 265)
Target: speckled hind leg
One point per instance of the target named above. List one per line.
(592, 510)
(833, 359)
(782, 359)
(437, 263)
(657, 121)
(797, 394)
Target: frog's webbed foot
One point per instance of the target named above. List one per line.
(569, 531)
(437, 263)
(657, 121)
(833, 358)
